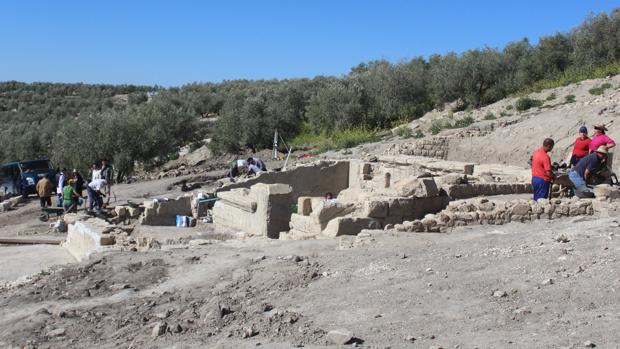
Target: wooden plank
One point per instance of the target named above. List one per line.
(21, 241)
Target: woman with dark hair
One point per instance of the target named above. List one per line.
(600, 138)
(581, 147)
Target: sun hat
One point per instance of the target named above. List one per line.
(583, 129)
(602, 149)
(600, 127)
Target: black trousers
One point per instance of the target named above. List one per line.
(45, 202)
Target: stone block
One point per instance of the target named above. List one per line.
(521, 209)
(400, 206)
(418, 187)
(325, 212)
(121, 211)
(133, 212)
(349, 226)
(376, 209)
(304, 205)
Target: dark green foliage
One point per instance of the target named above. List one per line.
(464, 122)
(525, 103)
(569, 99)
(404, 131)
(418, 134)
(490, 116)
(599, 89)
(551, 97)
(45, 120)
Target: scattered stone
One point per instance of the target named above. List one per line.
(589, 344)
(561, 238)
(56, 333)
(177, 329)
(340, 337)
(250, 332)
(164, 314)
(118, 287)
(548, 282)
(410, 339)
(159, 329)
(500, 294)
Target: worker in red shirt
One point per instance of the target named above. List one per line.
(541, 170)
(581, 147)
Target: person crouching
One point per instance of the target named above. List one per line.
(95, 194)
(584, 169)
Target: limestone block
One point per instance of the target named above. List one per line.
(304, 205)
(521, 209)
(349, 226)
(121, 211)
(325, 212)
(5, 206)
(133, 212)
(418, 187)
(304, 224)
(376, 209)
(400, 206)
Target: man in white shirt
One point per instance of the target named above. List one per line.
(59, 185)
(94, 193)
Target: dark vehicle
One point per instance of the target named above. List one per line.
(21, 177)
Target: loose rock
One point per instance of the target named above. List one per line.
(340, 336)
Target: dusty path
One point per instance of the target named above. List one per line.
(510, 286)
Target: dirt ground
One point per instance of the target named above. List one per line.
(512, 286)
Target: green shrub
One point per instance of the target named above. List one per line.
(418, 134)
(509, 107)
(320, 143)
(569, 99)
(464, 122)
(551, 97)
(436, 127)
(490, 116)
(404, 131)
(525, 103)
(572, 75)
(503, 113)
(600, 89)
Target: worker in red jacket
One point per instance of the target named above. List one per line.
(581, 147)
(541, 170)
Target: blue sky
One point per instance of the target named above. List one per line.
(171, 43)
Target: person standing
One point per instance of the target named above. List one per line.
(45, 188)
(581, 147)
(69, 197)
(78, 186)
(107, 174)
(600, 138)
(541, 170)
(95, 172)
(60, 184)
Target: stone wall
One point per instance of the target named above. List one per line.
(484, 211)
(435, 147)
(263, 210)
(305, 180)
(164, 212)
(469, 190)
(87, 237)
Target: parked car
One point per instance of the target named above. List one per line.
(21, 177)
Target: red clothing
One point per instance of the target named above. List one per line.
(582, 147)
(541, 164)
